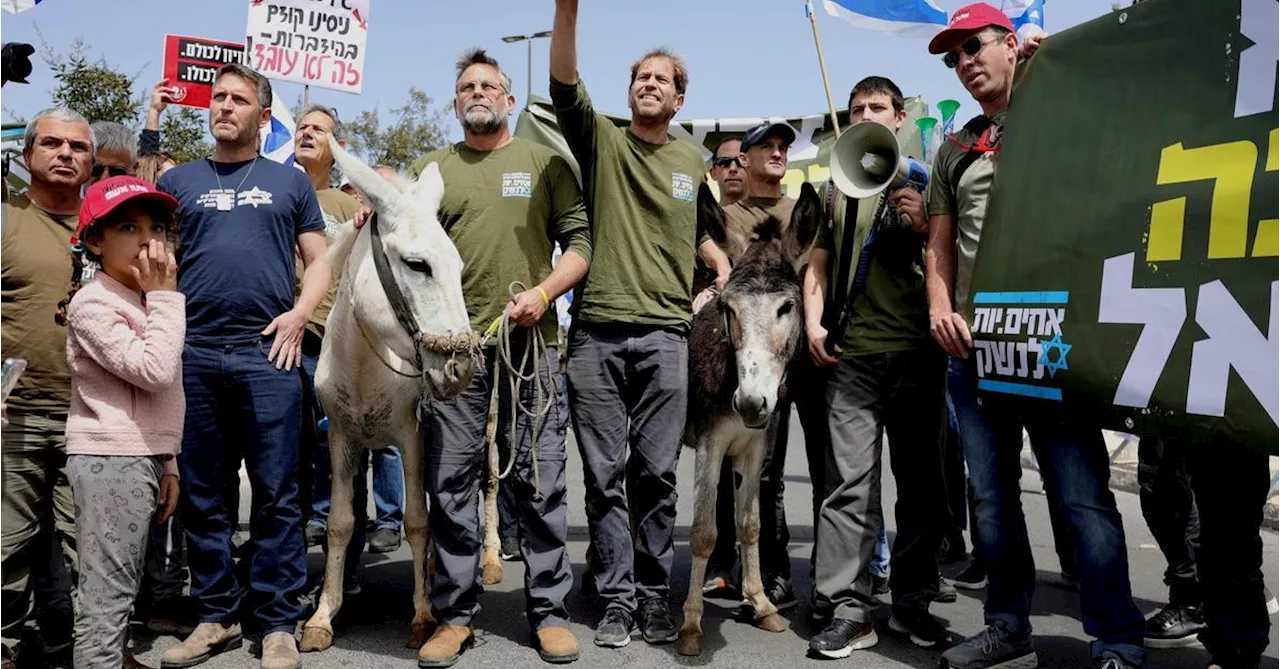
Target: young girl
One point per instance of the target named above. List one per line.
(125, 328)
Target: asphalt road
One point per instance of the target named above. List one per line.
(373, 626)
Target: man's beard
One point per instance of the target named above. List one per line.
(486, 121)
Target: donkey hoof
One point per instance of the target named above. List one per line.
(314, 639)
(689, 643)
(491, 574)
(772, 623)
(419, 633)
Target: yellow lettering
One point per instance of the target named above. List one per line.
(1266, 242)
(1165, 241)
(1231, 166)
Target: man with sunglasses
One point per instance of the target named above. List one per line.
(117, 150)
(981, 46)
(58, 151)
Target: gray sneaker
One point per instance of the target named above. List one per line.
(992, 648)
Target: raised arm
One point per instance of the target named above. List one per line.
(564, 43)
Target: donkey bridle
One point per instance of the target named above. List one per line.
(455, 343)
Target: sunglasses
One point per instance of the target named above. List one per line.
(970, 47)
(112, 170)
(726, 161)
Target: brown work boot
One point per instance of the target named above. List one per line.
(207, 640)
(280, 651)
(445, 646)
(556, 645)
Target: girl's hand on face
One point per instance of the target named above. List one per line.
(156, 268)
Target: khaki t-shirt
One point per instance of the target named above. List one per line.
(642, 202)
(742, 217)
(965, 201)
(891, 313)
(505, 210)
(338, 208)
(36, 272)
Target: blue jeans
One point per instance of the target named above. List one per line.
(879, 565)
(240, 407)
(1074, 464)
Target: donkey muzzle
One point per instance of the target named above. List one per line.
(754, 409)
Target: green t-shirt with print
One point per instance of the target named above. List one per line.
(642, 203)
(504, 211)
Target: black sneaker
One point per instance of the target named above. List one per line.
(614, 630)
(1174, 627)
(946, 591)
(656, 623)
(316, 534)
(781, 593)
(974, 577)
(384, 540)
(919, 626)
(843, 636)
(1110, 660)
(992, 648)
(509, 550)
(879, 585)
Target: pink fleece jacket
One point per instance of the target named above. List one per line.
(126, 371)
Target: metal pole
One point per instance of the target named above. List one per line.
(528, 70)
(306, 95)
(822, 62)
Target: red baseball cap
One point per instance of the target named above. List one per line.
(965, 21)
(105, 196)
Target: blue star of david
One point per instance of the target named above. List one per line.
(1054, 365)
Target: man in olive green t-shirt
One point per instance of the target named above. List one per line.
(628, 356)
(889, 377)
(38, 227)
(507, 202)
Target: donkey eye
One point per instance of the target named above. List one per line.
(418, 265)
(785, 309)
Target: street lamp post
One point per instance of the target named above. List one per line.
(528, 39)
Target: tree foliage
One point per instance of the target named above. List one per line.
(93, 88)
(183, 132)
(416, 130)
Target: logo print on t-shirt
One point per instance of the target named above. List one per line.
(517, 184)
(682, 186)
(332, 226)
(255, 197)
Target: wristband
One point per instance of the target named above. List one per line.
(546, 299)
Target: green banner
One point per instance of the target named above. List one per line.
(1129, 259)
(807, 160)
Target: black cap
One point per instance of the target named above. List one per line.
(759, 133)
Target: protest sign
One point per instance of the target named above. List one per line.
(1128, 260)
(314, 42)
(191, 62)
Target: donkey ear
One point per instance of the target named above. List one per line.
(428, 190)
(381, 193)
(710, 215)
(806, 218)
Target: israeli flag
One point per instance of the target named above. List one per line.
(16, 6)
(277, 138)
(904, 18)
(1027, 16)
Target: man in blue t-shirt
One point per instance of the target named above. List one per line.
(241, 217)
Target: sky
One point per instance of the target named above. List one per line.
(746, 58)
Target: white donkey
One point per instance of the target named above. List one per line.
(398, 327)
(740, 349)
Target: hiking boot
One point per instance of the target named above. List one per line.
(781, 593)
(445, 646)
(509, 549)
(656, 623)
(842, 637)
(205, 641)
(1174, 627)
(556, 644)
(316, 534)
(992, 648)
(614, 630)
(918, 626)
(974, 577)
(1109, 660)
(946, 591)
(384, 540)
(280, 651)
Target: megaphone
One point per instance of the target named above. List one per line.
(866, 160)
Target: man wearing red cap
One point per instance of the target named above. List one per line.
(981, 46)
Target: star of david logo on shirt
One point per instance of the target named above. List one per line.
(1046, 360)
(254, 197)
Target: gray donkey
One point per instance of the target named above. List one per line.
(740, 349)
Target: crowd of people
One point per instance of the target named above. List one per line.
(172, 324)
